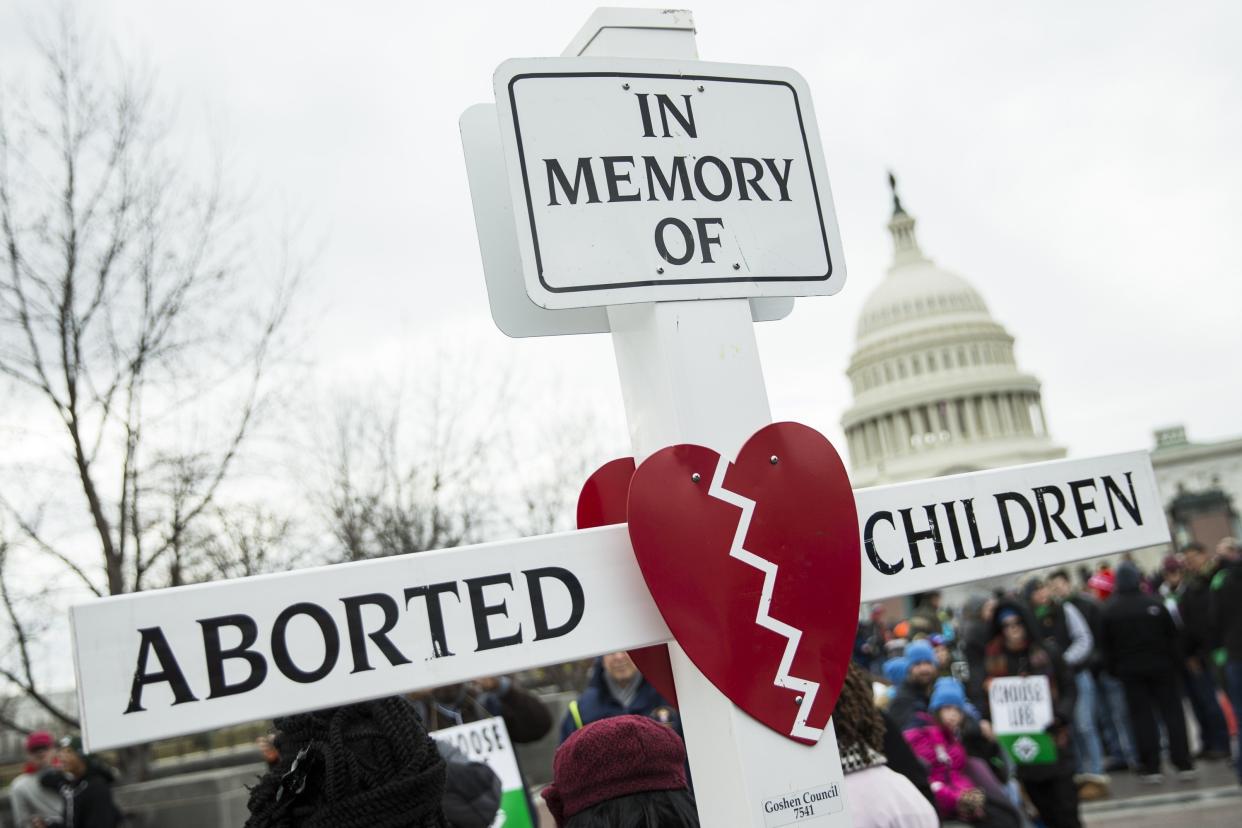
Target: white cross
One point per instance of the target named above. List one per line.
(168, 662)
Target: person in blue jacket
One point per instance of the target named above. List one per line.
(617, 688)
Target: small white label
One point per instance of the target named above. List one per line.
(802, 806)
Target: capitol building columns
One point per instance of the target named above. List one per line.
(936, 387)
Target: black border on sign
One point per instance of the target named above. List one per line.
(530, 210)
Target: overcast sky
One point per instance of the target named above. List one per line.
(1077, 162)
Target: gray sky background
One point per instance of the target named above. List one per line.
(1078, 163)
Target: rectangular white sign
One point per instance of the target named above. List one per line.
(193, 658)
(1020, 704)
(1021, 709)
(935, 533)
(162, 663)
(656, 180)
(512, 310)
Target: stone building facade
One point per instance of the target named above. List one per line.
(1201, 484)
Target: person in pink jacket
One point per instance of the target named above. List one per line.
(938, 746)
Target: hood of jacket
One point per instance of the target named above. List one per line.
(1007, 605)
(972, 610)
(1128, 578)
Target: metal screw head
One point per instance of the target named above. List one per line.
(696, 477)
(798, 699)
(659, 270)
(625, 86)
(700, 89)
(737, 266)
(774, 459)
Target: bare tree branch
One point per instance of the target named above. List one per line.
(26, 681)
(32, 533)
(133, 320)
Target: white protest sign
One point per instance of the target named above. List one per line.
(158, 664)
(487, 741)
(512, 310)
(154, 664)
(929, 534)
(1021, 712)
(638, 180)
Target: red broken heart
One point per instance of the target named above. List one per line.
(770, 619)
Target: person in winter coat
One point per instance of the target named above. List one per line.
(914, 693)
(985, 760)
(1226, 614)
(621, 771)
(616, 688)
(1115, 735)
(938, 745)
(526, 717)
(1142, 649)
(976, 631)
(1064, 627)
(34, 805)
(876, 794)
(366, 765)
(925, 621)
(869, 640)
(86, 787)
(901, 759)
(1017, 649)
(1194, 605)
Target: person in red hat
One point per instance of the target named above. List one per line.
(1102, 583)
(33, 804)
(623, 770)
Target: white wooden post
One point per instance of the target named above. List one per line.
(690, 373)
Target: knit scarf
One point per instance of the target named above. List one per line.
(859, 756)
(624, 693)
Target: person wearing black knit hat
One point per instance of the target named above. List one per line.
(369, 765)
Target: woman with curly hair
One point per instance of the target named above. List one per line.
(878, 796)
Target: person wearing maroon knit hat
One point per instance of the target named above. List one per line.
(621, 770)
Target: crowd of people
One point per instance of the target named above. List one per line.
(1121, 654)
(1124, 654)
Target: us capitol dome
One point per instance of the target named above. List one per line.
(936, 387)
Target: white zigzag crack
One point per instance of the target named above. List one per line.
(808, 688)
